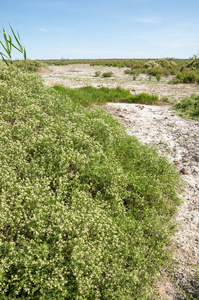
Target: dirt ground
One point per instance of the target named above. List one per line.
(176, 138)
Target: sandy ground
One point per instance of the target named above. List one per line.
(176, 138)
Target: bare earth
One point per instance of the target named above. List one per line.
(176, 138)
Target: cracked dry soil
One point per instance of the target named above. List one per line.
(176, 138)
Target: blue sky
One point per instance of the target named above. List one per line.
(104, 28)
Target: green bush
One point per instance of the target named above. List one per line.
(194, 64)
(128, 71)
(86, 210)
(158, 77)
(107, 74)
(153, 71)
(185, 77)
(188, 107)
(97, 73)
(28, 65)
(151, 64)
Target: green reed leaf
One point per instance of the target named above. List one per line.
(7, 50)
(17, 40)
(8, 44)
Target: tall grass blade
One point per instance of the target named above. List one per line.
(2, 55)
(7, 50)
(24, 53)
(17, 48)
(8, 44)
(5, 39)
(17, 40)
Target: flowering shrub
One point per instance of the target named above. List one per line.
(85, 209)
(151, 64)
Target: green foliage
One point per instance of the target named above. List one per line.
(90, 95)
(153, 71)
(186, 77)
(97, 73)
(158, 77)
(164, 67)
(194, 64)
(86, 210)
(133, 72)
(128, 71)
(28, 65)
(8, 45)
(151, 64)
(166, 63)
(188, 107)
(107, 74)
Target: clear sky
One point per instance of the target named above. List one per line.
(104, 28)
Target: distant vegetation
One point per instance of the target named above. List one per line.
(87, 211)
(29, 65)
(186, 71)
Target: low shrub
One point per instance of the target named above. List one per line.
(107, 74)
(158, 77)
(86, 210)
(185, 77)
(28, 65)
(188, 107)
(153, 71)
(128, 71)
(97, 73)
(194, 64)
(151, 64)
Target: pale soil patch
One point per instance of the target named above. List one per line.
(176, 138)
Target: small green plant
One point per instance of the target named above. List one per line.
(164, 99)
(128, 71)
(107, 74)
(8, 45)
(134, 77)
(158, 77)
(97, 73)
